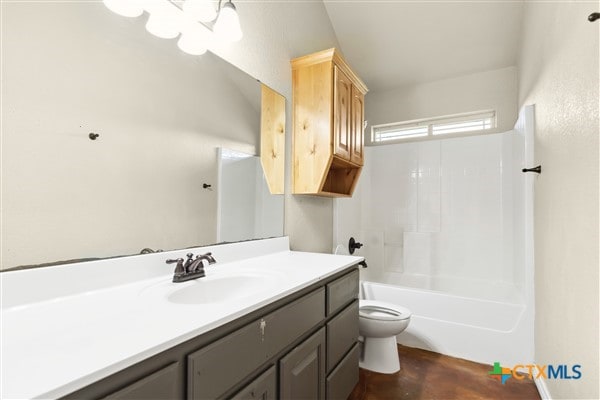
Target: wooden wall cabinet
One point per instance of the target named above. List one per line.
(328, 112)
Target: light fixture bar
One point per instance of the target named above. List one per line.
(168, 20)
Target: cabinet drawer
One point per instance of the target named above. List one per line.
(342, 291)
(292, 321)
(214, 369)
(344, 377)
(264, 387)
(342, 334)
(162, 384)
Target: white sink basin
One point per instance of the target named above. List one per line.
(218, 289)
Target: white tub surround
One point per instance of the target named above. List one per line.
(444, 215)
(65, 327)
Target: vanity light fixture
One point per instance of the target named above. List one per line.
(167, 20)
(194, 38)
(227, 25)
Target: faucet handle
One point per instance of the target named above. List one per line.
(179, 269)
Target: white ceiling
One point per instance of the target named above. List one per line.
(395, 43)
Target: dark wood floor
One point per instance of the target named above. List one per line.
(428, 375)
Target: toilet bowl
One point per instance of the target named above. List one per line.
(378, 324)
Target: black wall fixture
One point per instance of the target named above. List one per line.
(353, 245)
(593, 16)
(537, 170)
(206, 186)
(93, 136)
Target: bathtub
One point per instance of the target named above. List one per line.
(474, 329)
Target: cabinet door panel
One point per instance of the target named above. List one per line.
(262, 388)
(342, 129)
(216, 368)
(302, 370)
(163, 384)
(358, 119)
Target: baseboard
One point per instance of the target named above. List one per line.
(542, 389)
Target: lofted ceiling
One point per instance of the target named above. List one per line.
(396, 43)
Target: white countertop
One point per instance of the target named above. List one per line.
(52, 346)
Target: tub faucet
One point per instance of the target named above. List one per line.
(191, 268)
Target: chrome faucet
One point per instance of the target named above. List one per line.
(148, 250)
(191, 268)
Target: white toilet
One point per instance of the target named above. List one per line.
(379, 323)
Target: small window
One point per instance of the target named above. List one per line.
(448, 125)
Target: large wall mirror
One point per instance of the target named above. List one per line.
(150, 179)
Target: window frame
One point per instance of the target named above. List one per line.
(376, 130)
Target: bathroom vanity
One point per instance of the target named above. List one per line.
(273, 324)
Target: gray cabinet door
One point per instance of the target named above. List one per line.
(215, 369)
(302, 370)
(262, 388)
(163, 384)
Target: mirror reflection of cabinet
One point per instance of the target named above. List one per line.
(328, 108)
(272, 138)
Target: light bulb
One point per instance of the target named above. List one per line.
(126, 8)
(200, 10)
(227, 26)
(193, 39)
(165, 19)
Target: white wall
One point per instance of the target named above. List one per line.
(558, 72)
(496, 89)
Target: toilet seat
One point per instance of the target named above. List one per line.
(381, 311)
